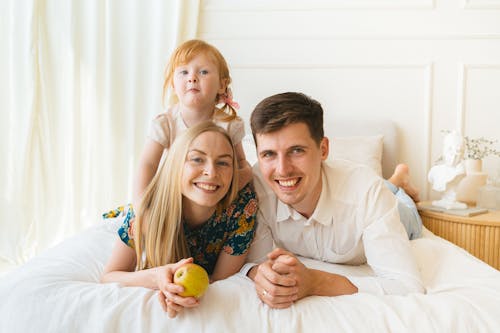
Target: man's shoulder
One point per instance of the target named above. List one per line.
(349, 183)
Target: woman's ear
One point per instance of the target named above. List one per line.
(325, 148)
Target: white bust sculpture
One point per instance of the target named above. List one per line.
(445, 177)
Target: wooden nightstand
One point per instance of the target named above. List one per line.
(479, 235)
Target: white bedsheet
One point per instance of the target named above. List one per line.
(58, 291)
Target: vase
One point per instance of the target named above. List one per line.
(473, 166)
(468, 188)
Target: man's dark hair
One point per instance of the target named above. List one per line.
(277, 111)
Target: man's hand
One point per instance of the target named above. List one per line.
(281, 280)
(287, 264)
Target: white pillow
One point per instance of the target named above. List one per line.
(366, 150)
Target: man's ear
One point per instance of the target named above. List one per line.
(325, 148)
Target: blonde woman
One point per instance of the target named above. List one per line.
(188, 213)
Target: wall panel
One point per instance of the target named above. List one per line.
(427, 65)
(482, 106)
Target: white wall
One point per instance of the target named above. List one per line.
(427, 65)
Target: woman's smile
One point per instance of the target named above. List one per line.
(207, 186)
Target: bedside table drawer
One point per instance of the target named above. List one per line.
(479, 235)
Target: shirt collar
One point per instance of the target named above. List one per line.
(285, 212)
(322, 214)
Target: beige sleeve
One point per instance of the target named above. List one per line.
(159, 130)
(236, 130)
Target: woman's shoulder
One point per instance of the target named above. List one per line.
(245, 203)
(127, 216)
(246, 195)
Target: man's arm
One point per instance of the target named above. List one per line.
(387, 248)
(283, 279)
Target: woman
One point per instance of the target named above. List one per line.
(187, 214)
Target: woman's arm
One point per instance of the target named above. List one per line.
(121, 268)
(227, 265)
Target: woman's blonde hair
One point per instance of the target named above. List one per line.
(158, 230)
(184, 54)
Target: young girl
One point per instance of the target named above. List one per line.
(188, 210)
(199, 77)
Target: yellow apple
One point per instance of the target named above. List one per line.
(193, 278)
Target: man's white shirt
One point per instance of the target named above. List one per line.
(356, 221)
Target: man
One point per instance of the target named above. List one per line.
(338, 212)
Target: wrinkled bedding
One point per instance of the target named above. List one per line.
(59, 291)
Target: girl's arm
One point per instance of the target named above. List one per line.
(227, 265)
(148, 165)
(245, 174)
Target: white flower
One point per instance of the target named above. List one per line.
(477, 149)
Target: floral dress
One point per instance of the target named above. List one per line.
(230, 230)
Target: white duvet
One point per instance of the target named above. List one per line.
(58, 291)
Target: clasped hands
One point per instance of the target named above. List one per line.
(282, 279)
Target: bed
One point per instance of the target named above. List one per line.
(59, 290)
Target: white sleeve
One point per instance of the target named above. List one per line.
(387, 249)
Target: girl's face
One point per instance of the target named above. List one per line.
(197, 83)
(208, 170)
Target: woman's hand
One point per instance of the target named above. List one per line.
(168, 293)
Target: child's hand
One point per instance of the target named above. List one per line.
(168, 291)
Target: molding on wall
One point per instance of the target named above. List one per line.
(462, 88)
(429, 102)
(482, 66)
(369, 37)
(315, 5)
(481, 4)
(324, 65)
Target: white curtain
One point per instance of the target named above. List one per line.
(80, 81)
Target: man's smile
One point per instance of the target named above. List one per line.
(291, 182)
